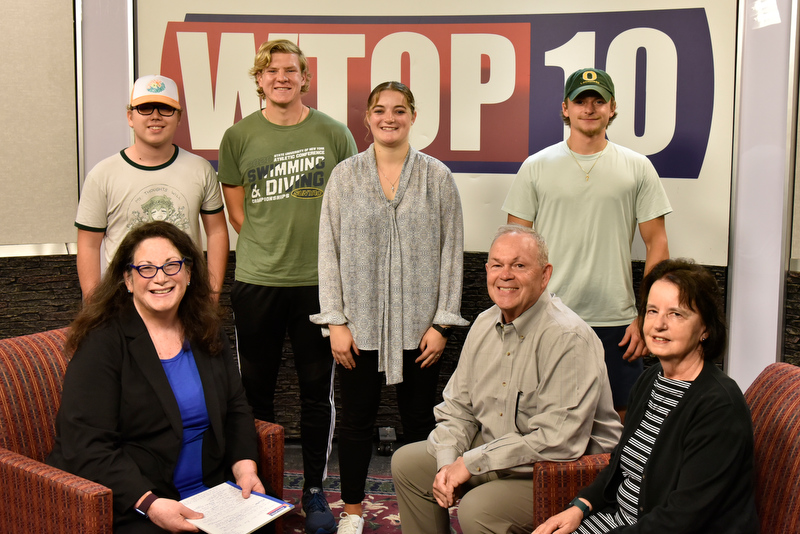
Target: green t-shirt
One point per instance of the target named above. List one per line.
(284, 171)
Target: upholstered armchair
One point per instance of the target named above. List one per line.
(555, 484)
(774, 401)
(40, 498)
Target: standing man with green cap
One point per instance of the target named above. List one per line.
(587, 194)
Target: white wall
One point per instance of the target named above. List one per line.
(107, 78)
(763, 177)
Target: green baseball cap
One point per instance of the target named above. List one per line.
(589, 80)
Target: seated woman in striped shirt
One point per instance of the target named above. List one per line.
(685, 460)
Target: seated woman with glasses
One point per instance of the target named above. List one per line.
(153, 406)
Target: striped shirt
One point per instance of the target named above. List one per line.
(665, 395)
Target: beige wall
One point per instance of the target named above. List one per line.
(38, 141)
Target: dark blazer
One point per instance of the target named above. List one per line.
(699, 477)
(119, 423)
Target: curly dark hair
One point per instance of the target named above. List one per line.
(697, 290)
(200, 317)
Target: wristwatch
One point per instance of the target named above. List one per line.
(144, 506)
(580, 504)
(444, 330)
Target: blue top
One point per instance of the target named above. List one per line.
(188, 389)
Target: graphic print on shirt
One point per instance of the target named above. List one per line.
(159, 202)
(299, 173)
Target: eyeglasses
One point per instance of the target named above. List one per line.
(171, 268)
(163, 109)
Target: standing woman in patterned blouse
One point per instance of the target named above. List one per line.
(390, 275)
(685, 460)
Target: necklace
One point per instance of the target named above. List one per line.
(300, 118)
(385, 177)
(578, 163)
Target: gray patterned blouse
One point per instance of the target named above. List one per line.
(389, 269)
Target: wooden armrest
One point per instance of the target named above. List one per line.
(555, 484)
(41, 498)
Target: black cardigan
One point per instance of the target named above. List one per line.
(699, 477)
(119, 423)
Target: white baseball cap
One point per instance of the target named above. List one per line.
(155, 88)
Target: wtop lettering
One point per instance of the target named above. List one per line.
(485, 86)
(212, 106)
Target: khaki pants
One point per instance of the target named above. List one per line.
(488, 503)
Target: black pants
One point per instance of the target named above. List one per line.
(622, 374)
(361, 396)
(263, 315)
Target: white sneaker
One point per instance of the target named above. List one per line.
(350, 523)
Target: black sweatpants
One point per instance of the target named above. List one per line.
(263, 315)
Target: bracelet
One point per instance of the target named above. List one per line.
(581, 505)
(145, 505)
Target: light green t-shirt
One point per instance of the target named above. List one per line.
(589, 224)
(284, 171)
(119, 194)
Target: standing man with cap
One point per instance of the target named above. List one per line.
(150, 180)
(586, 195)
(274, 165)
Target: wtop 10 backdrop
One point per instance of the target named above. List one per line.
(488, 87)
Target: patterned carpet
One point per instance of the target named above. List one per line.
(380, 505)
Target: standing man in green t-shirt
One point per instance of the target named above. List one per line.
(586, 195)
(273, 166)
